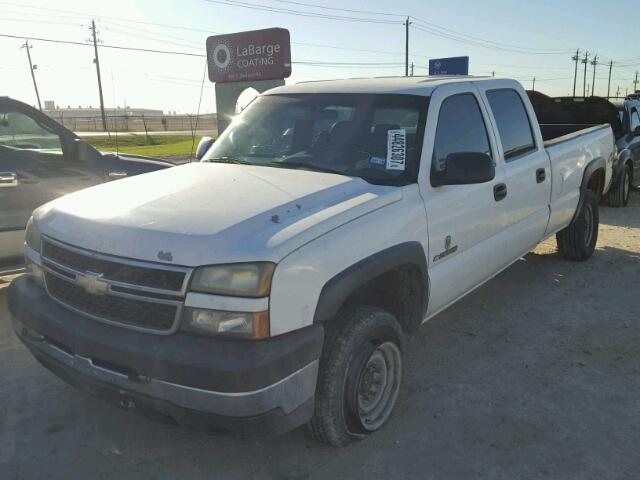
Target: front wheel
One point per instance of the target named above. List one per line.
(577, 242)
(360, 375)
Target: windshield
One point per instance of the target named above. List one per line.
(374, 137)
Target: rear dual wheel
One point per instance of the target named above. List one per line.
(578, 241)
(360, 375)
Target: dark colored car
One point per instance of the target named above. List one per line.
(41, 160)
(628, 165)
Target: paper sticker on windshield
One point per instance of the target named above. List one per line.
(396, 149)
(381, 161)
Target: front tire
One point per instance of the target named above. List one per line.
(577, 242)
(619, 196)
(360, 375)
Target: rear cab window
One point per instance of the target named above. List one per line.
(513, 122)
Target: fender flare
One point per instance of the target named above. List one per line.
(622, 158)
(589, 170)
(337, 289)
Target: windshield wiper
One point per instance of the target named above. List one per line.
(315, 168)
(234, 160)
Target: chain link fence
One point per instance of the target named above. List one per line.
(137, 123)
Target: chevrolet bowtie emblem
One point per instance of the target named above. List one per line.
(92, 283)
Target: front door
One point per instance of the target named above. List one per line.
(37, 165)
(464, 221)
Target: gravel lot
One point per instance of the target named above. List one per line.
(534, 375)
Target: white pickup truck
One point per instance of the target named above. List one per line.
(271, 284)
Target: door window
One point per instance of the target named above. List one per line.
(461, 128)
(635, 120)
(21, 134)
(513, 123)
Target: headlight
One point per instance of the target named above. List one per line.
(34, 271)
(32, 236)
(228, 324)
(239, 279)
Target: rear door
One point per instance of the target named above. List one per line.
(526, 165)
(464, 221)
(37, 164)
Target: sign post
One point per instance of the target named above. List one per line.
(259, 59)
(449, 66)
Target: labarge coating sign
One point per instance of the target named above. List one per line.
(246, 56)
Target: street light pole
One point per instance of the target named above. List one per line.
(593, 82)
(575, 58)
(97, 62)
(609, 84)
(585, 60)
(406, 47)
(28, 47)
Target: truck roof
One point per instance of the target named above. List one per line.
(408, 85)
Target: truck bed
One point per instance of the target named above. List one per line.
(566, 176)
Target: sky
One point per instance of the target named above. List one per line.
(515, 39)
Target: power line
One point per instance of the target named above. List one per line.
(434, 28)
(300, 13)
(367, 12)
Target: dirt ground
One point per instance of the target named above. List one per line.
(534, 375)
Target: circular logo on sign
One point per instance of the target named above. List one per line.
(437, 64)
(221, 56)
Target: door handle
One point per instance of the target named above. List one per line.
(117, 174)
(499, 191)
(8, 179)
(541, 174)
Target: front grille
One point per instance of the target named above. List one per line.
(113, 270)
(132, 294)
(155, 316)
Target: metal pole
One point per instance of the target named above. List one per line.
(584, 83)
(575, 58)
(609, 84)
(534, 84)
(635, 82)
(412, 69)
(97, 62)
(593, 82)
(28, 47)
(406, 48)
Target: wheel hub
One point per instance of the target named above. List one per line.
(378, 385)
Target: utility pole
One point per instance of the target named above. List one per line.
(534, 84)
(575, 58)
(32, 67)
(609, 84)
(406, 47)
(593, 82)
(493, 74)
(97, 62)
(618, 92)
(585, 60)
(635, 83)
(412, 69)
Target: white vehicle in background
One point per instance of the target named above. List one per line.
(271, 284)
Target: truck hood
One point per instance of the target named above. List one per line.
(208, 213)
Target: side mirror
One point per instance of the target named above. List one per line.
(85, 152)
(464, 168)
(203, 146)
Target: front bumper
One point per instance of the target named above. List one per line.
(252, 387)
